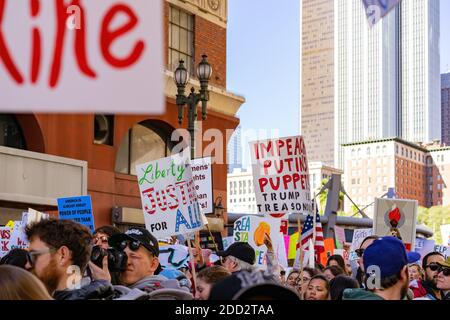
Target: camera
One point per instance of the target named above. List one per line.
(117, 259)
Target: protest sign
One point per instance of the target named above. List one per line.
(293, 241)
(358, 236)
(35, 216)
(5, 240)
(169, 199)
(445, 233)
(251, 229)
(227, 241)
(424, 246)
(18, 237)
(329, 251)
(445, 250)
(98, 57)
(206, 241)
(174, 256)
(398, 218)
(378, 9)
(339, 234)
(280, 175)
(202, 175)
(78, 209)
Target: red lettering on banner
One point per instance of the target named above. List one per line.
(107, 37)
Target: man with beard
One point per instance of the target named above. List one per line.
(386, 267)
(431, 267)
(59, 252)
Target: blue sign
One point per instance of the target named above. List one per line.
(377, 9)
(78, 209)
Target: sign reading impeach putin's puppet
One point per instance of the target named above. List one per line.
(280, 175)
(169, 198)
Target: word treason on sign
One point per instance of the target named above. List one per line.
(108, 36)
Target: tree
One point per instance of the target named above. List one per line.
(324, 195)
(433, 218)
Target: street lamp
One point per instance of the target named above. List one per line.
(181, 77)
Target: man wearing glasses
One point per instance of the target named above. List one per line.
(443, 278)
(59, 252)
(430, 266)
(142, 250)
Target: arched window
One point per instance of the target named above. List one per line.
(10, 132)
(144, 142)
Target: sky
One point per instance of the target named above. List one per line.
(263, 63)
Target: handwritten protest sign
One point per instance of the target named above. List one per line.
(174, 256)
(445, 232)
(99, 57)
(5, 239)
(358, 236)
(339, 234)
(424, 246)
(398, 218)
(280, 174)
(377, 9)
(445, 250)
(169, 199)
(202, 175)
(78, 209)
(251, 229)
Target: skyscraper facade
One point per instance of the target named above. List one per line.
(317, 110)
(445, 108)
(386, 76)
(234, 151)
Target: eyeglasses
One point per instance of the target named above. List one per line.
(445, 271)
(103, 239)
(432, 266)
(359, 252)
(33, 254)
(133, 245)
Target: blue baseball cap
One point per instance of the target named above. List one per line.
(389, 254)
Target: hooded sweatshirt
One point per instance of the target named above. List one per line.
(360, 294)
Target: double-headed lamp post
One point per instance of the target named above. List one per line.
(181, 76)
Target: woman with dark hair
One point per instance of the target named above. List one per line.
(318, 288)
(17, 257)
(337, 260)
(19, 284)
(303, 280)
(332, 272)
(292, 278)
(339, 284)
(102, 235)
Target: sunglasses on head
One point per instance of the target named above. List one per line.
(359, 252)
(445, 271)
(432, 266)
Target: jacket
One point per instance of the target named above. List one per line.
(431, 291)
(360, 294)
(95, 290)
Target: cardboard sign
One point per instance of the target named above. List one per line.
(339, 234)
(424, 246)
(5, 240)
(398, 218)
(82, 56)
(202, 175)
(251, 229)
(174, 256)
(378, 9)
(78, 209)
(169, 199)
(445, 233)
(358, 236)
(444, 250)
(280, 175)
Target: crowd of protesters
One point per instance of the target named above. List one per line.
(66, 262)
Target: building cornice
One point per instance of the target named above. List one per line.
(410, 144)
(215, 11)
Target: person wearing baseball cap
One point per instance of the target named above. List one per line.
(443, 278)
(386, 267)
(239, 256)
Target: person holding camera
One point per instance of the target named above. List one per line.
(137, 267)
(59, 252)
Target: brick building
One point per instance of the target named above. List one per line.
(46, 156)
(416, 171)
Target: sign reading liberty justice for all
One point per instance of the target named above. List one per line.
(169, 198)
(396, 218)
(111, 61)
(280, 175)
